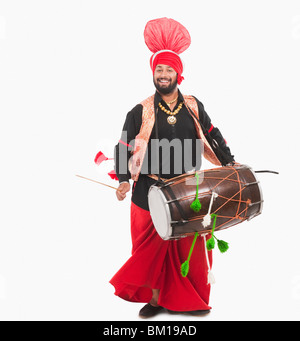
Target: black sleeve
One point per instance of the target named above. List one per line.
(214, 137)
(125, 145)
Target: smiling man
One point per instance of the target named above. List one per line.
(152, 274)
(165, 80)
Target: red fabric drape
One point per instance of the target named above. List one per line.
(166, 34)
(155, 263)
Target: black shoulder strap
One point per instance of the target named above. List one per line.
(220, 154)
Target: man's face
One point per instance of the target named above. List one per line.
(165, 79)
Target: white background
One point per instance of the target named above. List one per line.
(69, 73)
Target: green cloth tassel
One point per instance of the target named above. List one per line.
(196, 204)
(222, 245)
(210, 243)
(185, 266)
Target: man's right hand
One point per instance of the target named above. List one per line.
(122, 190)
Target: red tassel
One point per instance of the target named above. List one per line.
(101, 157)
(113, 175)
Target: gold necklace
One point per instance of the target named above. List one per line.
(171, 119)
(172, 101)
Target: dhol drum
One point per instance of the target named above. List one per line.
(232, 193)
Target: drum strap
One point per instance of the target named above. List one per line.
(221, 155)
(159, 180)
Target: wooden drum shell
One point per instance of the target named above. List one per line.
(239, 198)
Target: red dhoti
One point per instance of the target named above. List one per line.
(155, 264)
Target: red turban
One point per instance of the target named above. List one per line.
(167, 38)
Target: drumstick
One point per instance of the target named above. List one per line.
(266, 171)
(101, 183)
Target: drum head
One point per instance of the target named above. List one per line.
(160, 212)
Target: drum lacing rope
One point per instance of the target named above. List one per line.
(238, 214)
(212, 178)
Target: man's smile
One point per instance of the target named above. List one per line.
(163, 81)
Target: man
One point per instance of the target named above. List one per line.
(152, 274)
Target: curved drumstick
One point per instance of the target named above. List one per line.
(266, 171)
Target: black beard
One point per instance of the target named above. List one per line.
(165, 90)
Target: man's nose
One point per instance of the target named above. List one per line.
(164, 74)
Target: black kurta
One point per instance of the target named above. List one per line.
(183, 130)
